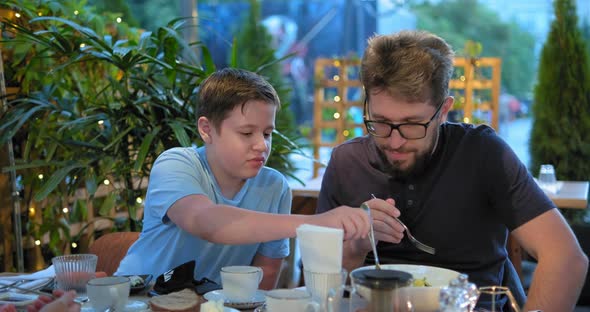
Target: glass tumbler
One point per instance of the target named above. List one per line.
(74, 272)
(547, 179)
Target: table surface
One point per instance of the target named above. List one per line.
(573, 194)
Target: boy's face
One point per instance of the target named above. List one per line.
(240, 146)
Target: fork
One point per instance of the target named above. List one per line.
(26, 290)
(413, 240)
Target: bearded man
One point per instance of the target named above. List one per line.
(458, 187)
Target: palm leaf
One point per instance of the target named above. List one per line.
(54, 180)
(144, 148)
(180, 133)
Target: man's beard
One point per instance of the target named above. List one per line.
(421, 161)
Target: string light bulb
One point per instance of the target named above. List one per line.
(40, 176)
(337, 98)
(119, 20)
(336, 115)
(336, 78)
(17, 15)
(76, 12)
(74, 245)
(139, 200)
(65, 210)
(106, 182)
(37, 242)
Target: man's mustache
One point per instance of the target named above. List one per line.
(399, 150)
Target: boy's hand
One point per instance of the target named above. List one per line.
(354, 221)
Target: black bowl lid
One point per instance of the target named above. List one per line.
(382, 279)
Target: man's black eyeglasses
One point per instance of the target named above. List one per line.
(407, 130)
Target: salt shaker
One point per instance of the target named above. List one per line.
(459, 296)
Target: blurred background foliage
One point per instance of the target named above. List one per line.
(98, 101)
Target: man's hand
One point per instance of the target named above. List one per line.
(386, 228)
(354, 221)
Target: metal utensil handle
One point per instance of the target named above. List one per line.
(366, 207)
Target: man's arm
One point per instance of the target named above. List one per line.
(271, 268)
(354, 253)
(562, 266)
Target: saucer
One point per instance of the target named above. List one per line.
(256, 301)
(131, 306)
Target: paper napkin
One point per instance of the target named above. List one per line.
(321, 248)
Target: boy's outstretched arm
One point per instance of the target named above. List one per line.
(198, 215)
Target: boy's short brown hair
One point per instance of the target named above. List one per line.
(227, 88)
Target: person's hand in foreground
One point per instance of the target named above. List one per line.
(64, 302)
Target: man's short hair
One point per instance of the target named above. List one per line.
(413, 65)
(227, 88)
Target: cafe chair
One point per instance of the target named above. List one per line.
(111, 248)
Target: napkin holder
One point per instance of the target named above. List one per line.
(182, 277)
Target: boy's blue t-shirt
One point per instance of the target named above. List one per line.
(162, 245)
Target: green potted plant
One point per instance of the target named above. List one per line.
(99, 108)
(561, 113)
(561, 110)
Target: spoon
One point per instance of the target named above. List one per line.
(366, 207)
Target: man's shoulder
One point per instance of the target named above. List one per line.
(469, 136)
(463, 129)
(352, 146)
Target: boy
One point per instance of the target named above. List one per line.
(191, 208)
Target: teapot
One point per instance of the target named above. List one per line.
(376, 290)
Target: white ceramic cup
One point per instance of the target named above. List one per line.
(290, 300)
(108, 293)
(240, 282)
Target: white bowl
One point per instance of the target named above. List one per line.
(423, 298)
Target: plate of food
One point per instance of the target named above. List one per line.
(427, 282)
(219, 295)
(139, 282)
